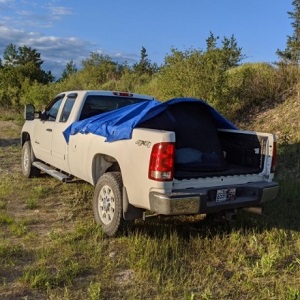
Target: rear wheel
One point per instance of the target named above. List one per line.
(27, 159)
(107, 204)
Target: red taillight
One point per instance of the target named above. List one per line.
(161, 167)
(274, 158)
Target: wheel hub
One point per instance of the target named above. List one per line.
(106, 205)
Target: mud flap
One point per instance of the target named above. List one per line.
(130, 212)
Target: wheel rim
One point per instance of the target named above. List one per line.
(106, 206)
(26, 159)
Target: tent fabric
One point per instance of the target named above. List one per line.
(119, 124)
(197, 144)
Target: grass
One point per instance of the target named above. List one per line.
(11, 115)
(50, 247)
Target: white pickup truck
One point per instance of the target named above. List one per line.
(180, 157)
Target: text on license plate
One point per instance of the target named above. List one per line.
(225, 194)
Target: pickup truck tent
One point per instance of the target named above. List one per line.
(118, 124)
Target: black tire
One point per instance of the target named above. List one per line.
(107, 203)
(27, 159)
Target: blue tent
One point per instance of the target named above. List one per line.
(118, 124)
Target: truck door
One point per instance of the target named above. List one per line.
(59, 145)
(44, 130)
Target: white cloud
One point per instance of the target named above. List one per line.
(21, 23)
(55, 51)
(32, 14)
(5, 3)
(59, 11)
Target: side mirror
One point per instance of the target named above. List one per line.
(29, 110)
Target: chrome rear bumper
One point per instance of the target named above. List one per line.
(197, 201)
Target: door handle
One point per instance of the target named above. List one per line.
(49, 129)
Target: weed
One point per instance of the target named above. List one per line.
(18, 228)
(40, 191)
(43, 276)
(36, 194)
(31, 203)
(94, 291)
(5, 219)
(6, 188)
(2, 204)
(8, 251)
(293, 293)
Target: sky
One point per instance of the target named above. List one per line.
(65, 30)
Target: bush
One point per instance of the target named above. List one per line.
(35, 93)
(287, 79)
(256, 84)
(252, 83)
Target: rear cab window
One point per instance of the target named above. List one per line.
(98, 104)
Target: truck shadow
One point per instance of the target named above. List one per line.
(191, 228)
(281, 213)
(9, 142)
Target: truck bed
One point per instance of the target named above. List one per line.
(202, 150)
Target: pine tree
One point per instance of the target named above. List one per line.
(69, 70)
(292, 52)
(144, 66)
(25, 62)
(10, 55)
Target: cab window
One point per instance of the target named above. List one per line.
(51, 110)
(67, 109)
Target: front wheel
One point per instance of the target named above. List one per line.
(27, 159)
(107, 204)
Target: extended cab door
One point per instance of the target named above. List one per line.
(44, 130)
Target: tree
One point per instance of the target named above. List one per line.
(22, 55)
(28, 55)
(211, 42)
(26, 62)
(198, 73)
(230, 54)
(69, 70)
(20, 64)
(10, 55)
(98, 69)
(291, 54)
(144, 66)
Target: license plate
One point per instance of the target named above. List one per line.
(225, 195)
